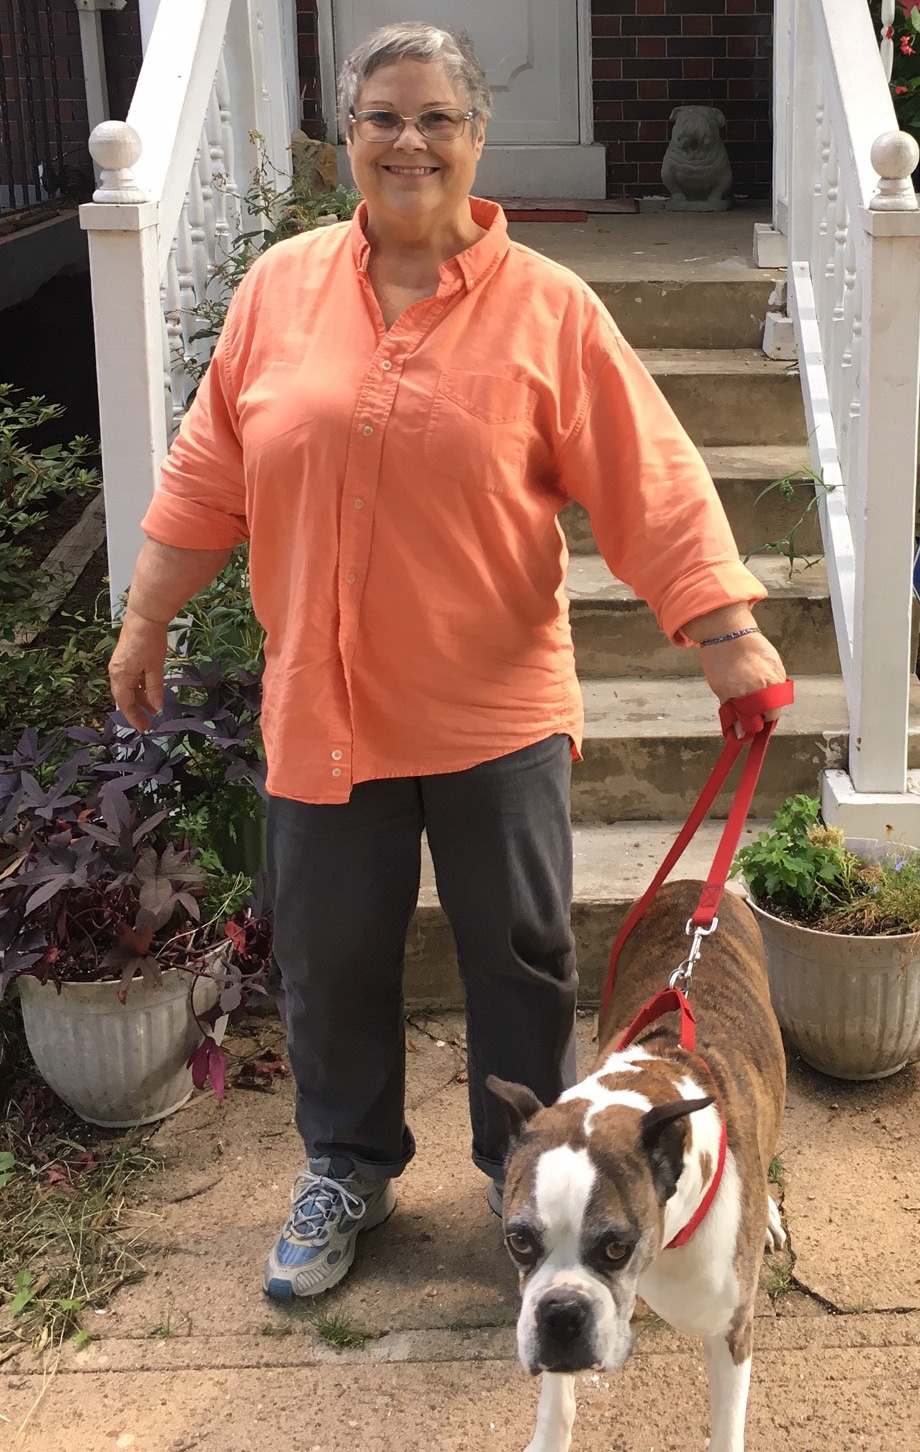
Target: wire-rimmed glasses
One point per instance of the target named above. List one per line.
(440, 123)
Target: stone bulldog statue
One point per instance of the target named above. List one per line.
(696, 169)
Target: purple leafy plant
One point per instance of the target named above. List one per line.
(110, 863)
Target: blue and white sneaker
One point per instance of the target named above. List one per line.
(317, 1245)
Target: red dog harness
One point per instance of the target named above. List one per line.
(672, 1000)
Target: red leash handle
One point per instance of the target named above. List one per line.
(749, 712)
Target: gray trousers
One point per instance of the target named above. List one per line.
(345, 881)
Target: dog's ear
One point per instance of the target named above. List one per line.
(663, 1132)
(675, 113)
(718, 118)
(519, 1102)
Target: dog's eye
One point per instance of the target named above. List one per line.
(615, 1252)
(520, 1244)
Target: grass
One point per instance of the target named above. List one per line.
(334, 1330)
(776, 1174)
(64, 1193)
(777, 1274)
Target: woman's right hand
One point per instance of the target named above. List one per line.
(136, 669)
(165, 576)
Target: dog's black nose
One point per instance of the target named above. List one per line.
(563, 1314)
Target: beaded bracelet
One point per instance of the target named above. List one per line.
(733, 635)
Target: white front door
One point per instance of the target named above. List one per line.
(535, 57)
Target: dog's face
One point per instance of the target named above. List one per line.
(584, 1210)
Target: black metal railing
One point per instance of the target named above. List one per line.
(42, 158)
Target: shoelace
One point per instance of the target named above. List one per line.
(318, 1200)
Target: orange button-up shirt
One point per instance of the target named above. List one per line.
(400, 491)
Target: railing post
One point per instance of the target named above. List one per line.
(882, 509)
(122, 228)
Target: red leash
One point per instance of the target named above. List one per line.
(748, 710)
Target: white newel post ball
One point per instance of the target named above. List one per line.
(116, 146)
(894, 156)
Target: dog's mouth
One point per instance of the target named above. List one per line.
(563, 1362)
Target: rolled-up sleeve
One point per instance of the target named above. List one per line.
(655, 513)
(201, 499)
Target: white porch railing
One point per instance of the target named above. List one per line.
(844, 200)
(214, 73)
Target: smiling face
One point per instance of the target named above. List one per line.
(414, 185)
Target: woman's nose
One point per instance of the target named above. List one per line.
(410, 138)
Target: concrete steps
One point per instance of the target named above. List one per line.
(729, 396)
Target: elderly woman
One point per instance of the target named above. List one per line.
(397, 411)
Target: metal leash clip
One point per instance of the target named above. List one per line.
(683, 973)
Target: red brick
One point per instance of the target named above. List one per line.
(696, 25)
(652, 45)
(605, 25)
(653, 90)
(697, 68)
(607, 69)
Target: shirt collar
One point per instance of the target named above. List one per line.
(471, 265)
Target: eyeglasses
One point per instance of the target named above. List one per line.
(442, 124)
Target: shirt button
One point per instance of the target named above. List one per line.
(359, 504)
(352, 577)
(386, 365)
(336, 771)
(367, 431)
(336, 756)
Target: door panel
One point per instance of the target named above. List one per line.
(529, 49)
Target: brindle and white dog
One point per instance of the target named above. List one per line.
(598, 1185)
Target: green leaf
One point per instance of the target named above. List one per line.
(23, 1293)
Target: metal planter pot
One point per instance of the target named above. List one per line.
(116, 1064)
(850, 1005)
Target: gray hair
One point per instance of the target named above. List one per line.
(416, 41)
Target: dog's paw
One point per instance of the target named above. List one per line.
(775, 1235)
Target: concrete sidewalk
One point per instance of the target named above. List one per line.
(194, 1356)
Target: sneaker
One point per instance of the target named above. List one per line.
(317, 1245)
(495, 1194)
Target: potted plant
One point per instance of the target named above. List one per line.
(127, 936)
(841, 927)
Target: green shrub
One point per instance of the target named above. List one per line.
(801, 869)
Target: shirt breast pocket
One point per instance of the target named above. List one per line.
(479, 428)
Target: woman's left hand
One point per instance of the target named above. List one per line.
(738, 667)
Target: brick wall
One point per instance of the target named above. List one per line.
(652, 55)
(44, 103)
(121, 38)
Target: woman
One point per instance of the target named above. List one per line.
(397, 411)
